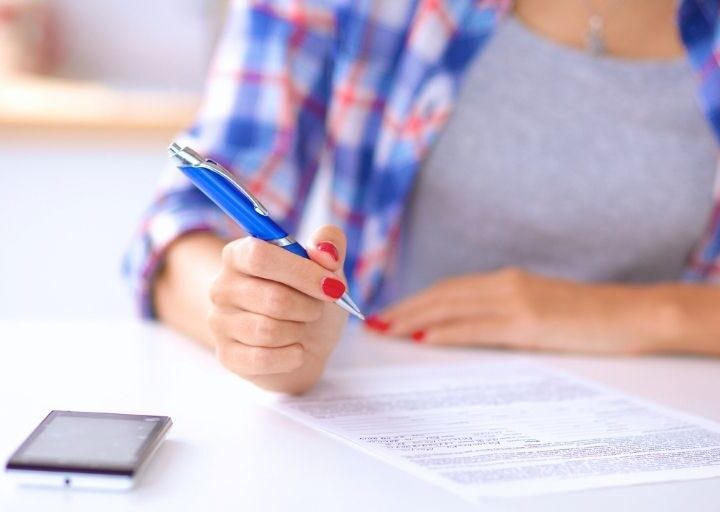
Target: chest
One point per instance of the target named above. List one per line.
(562, 165)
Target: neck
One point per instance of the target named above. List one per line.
(632, 29)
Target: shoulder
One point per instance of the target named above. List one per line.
(374, 19)
(321, 14)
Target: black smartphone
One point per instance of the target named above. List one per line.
(88, 450)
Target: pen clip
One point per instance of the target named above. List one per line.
(217, 168)
(186, 156)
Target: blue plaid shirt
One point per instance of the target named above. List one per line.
(366, 86)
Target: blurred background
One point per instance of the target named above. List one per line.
(91, 93)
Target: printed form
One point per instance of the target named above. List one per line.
(507, 428)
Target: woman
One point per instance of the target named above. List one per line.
(565, 205)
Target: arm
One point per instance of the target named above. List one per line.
(515, 309)
(182, 286)
(263, 117)
(692, 315)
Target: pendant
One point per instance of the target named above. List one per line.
(595, 37)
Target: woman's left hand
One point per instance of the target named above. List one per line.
(515, 309)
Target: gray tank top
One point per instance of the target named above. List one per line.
(559, 163)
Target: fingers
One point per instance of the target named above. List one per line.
(261, 259)
(446, 301)
(268, 313)
(411, 312)
(406, 307)
(453, 290)
(327, 247)
(264, 297)
(490, 331)
(251, 361)
(423, 315)
(256, 329)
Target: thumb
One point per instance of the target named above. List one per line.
(327, 248)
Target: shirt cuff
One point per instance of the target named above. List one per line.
(148, 248)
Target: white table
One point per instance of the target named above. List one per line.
(225, 452)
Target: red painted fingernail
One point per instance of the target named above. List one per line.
(329, 248)
(418, 336)
(376, 324)
(333, 288)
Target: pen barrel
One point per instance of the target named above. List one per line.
(225, 195)
(232, 198)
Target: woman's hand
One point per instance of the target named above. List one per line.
(515, 309)
(272, 313)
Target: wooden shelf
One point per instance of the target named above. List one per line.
(27, 101)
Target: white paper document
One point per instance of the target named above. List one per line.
(507, 429)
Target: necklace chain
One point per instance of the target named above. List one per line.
(595, 36)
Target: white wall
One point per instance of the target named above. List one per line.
(161, 43)
(69, 200)
(68, 206)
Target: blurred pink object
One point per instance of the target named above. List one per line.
(26, 44)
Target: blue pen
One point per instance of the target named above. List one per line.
(225, 191)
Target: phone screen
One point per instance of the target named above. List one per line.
(91, 442)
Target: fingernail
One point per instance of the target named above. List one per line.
(375, 323)
(418, 336)
(333, 288)
(329, 248)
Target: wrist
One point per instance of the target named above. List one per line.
(180, 290)
(637, 319)
(663, 319)
(687, 318)
(653, 318)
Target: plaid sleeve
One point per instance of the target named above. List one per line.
(262, 117)
(699, 21)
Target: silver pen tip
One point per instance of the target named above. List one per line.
(348, 305)
(174, 149)
(184, 155)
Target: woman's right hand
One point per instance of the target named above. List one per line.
(273, 313)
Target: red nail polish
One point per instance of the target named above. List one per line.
(418, 336)
(329, 248)
(376, 324)
(333, 288)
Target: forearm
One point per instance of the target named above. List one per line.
(517, 309)
(181, 292)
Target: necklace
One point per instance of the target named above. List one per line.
(595, 35)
